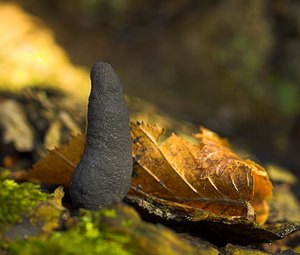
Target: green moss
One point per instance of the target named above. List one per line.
(127, 223)
(17, 200)
(85, 238)
(4, 173)
(66, 243)
(109, 213)
(116, 230)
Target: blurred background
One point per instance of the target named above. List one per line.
(232, 66)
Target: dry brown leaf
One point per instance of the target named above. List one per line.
(209, 176)
(262, 186)
(57, 167)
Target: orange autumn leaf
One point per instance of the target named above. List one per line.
(262, 186)
(208, 176)
(58, 166)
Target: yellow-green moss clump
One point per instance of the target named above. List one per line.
(17, 200)
(68, 243)
(115, 230)
(84, 238)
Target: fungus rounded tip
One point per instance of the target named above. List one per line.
(104, 76)
(101, 67)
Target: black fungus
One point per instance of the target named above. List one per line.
(104, 173)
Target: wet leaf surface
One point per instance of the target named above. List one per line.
(219, 230)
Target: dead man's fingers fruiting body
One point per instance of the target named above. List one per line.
(103, 175)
